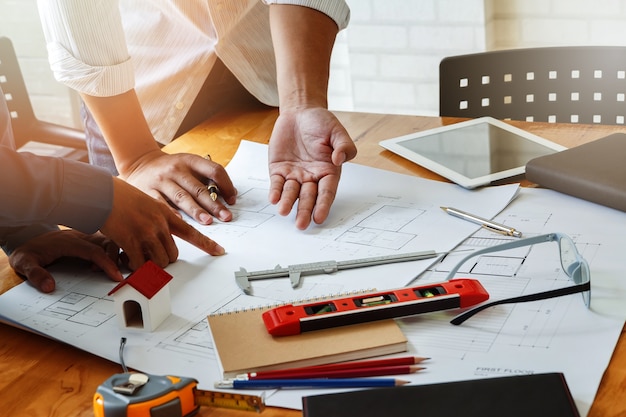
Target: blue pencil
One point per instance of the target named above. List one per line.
(309, 383)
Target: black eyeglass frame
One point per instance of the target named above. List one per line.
(581, 267)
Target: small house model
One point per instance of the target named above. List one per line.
(142, 300)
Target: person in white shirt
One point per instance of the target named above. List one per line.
(140, 65)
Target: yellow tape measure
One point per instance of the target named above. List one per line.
(143, 395)
(229, 400)
(134, 394)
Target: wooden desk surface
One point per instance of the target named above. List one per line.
(42, 377)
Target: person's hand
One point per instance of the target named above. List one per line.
(30, 259)
(181, 179)
(143, 228)
(306, 151)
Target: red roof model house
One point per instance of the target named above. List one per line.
(142, 301)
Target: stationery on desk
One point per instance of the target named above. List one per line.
(352, 374)
(325, 342)
(408, 212)
(296, 272)
(310, 383)
(487, 224)
(547, 336)
(211, 185)
(213, 190)
(243, 344)
(373, 367)
(361, 225)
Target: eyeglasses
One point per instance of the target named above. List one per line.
(573, 264)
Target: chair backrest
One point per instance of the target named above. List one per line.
(577, 84)
(26, 126)
(14, 88)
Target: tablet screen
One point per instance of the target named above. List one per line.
(479, 151)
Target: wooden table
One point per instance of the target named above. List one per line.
(42, 377)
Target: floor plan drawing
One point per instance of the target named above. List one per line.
(384, 228)
(531, 337)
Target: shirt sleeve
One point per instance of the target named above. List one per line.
(88, 54)
(337, 10)
(39, 193)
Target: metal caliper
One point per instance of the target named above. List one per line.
(297, 271)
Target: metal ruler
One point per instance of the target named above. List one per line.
(297, 271)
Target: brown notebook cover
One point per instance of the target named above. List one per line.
(538, 395)
(244, 345)
(594, 171)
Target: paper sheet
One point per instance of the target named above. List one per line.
(555, 335)
(376, 213)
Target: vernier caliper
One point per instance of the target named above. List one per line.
(295, 272)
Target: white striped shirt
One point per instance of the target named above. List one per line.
(165, 49)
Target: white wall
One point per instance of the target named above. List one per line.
(534, 23)
(388, 58)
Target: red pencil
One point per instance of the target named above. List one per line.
(374, 363)
(342, 373)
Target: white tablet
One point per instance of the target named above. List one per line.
(472, 153)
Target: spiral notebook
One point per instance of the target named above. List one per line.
(244, 345)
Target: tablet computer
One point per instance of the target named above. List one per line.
(473, 153)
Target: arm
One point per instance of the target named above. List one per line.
(86, 198)
(308, 144)
(37, 193)
(88, 52)
(36, 198)
(179, 179)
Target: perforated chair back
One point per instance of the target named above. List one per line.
(581, 84)
(14, 89)
(26, 126)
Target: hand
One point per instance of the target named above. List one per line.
(143, 228)
(181, 180)
(31, 258)
(306, 151)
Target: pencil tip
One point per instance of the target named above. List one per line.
(401, 382)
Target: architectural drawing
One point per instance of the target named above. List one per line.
(532, 337)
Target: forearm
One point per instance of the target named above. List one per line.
(303, 40)
(124, 127)
(42, 192)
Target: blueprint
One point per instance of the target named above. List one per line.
(552, 335)
(376, 213)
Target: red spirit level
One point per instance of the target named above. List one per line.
(292, 319)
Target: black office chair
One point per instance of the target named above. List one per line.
(576, 84)
(26, 126)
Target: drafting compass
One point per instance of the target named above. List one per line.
(297, 271)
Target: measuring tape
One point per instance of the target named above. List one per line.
(228, 400)
(141, 395)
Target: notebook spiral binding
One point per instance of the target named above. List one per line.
(260, 307)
